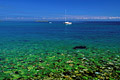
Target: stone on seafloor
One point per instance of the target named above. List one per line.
(80, 47)
(76, 72)
(1, 59)
(68, 77)
(58, 53)
(97, 72)
(71, 65)
(69, 61)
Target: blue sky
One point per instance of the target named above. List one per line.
(36, 9)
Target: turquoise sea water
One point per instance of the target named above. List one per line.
(20, 40)
(96, 34)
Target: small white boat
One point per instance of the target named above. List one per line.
(68, 23)
(50, 22)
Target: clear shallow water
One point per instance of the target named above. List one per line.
(96, 34)
(30, 50)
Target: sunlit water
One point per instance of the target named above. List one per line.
(33, 50)
(95, 34)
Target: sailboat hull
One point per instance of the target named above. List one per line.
(67, 22)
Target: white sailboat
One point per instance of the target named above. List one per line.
(50, 22)
(67, 22)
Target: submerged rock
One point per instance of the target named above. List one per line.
(80, 47)
(69, 61)
(58, 53)
(2, 59)
(16, 72)
(97, 72)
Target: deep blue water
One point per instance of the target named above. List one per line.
(97, 34)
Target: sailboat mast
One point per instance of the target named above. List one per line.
(66, 22)
(65, 16)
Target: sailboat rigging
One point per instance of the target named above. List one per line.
(66, 22)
